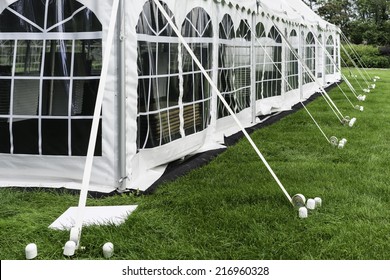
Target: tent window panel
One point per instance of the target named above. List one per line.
(84, 97)
(55, 98)
(157, 58)
(83, 21)
(337, 55)
(87, 58)
(226, 65)
(25, 136)
(32, 10)
(197, 24)
(230, 99)
(146, 60)
(195, 87)
(5, 144)
(157, 93)
(310, 62)
(166, 59)
(80, 133)
(193, 119)
(43, 126)
(145, 96)
(54, 137)
(292, 71)
(160, 87)
(152, 22)
(226, 28)
(242, 67)
(310, 58)
(261, 59)
(263, 56)
(272, 75)
(198, 87)
(28, 58)
(276, 76)
(329, 63)
(159, 128)
(242, 78)
(225, 78)
(5, 96)
(330, 69)
(26, 97)
(167, 126)
(144, 137)
(6, 57)
(58, 58)
(202, 53)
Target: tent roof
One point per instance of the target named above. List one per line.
(249, 5)
(292, 10)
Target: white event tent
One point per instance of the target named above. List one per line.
(157, 107)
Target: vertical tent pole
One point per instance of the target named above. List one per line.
(122, 98)
(215, 88)
(75, 233)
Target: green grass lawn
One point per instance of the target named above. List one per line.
(233, 209)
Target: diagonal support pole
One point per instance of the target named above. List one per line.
(75, 233)
(215, 88)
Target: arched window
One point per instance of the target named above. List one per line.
(197, 29)
(242, 67)
(330, 67)
(260, 59)
(50, 65)
(292, 74)
(309, 57)
(272, 81)
(226, 64)
(158, 79)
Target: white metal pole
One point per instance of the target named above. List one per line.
(122, 99)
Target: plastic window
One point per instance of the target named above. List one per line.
(48, 84)
(271, 76)
(158, 84)
(226, 65)
(309, 57)
(261, 59)
(330, 49)
(242, 66)
(197, 29)
(292, 75)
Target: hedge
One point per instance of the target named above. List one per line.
(370, 56)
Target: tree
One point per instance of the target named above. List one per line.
(338, 12)
(310, 3)
(363, 21)
(376, 10)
